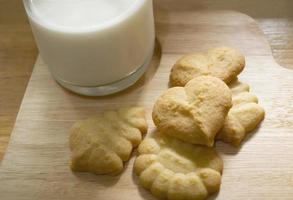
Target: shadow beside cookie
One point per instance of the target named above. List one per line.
(214, 196)
(228, 149)
(102, 180)
(145, 194)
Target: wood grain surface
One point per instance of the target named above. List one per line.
(18, 51)
(17, 57)
(36, 165)
(274, 17)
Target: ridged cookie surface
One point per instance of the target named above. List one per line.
(175, 170)
(224, 63)
(101, 144)
(194, 113)
(244, 116)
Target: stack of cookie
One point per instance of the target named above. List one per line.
(177, 161)
(207, 102)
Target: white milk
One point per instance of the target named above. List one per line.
(92, 42)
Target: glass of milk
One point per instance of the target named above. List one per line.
(93, 47)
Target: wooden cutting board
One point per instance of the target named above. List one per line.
(36, 165)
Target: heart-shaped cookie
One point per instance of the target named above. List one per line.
(224, 63)
(194, 113)
(101, 144)
(174, 170)
(244, 116)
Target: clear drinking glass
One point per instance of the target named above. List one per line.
(93, 47)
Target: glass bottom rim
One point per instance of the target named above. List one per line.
(108, 89)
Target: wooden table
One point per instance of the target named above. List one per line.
(18, 51)
(17, 56)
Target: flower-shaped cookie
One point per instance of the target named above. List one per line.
(172, 169)
(224, 63)
(244, 116)
(194, 113)
(101, 144)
